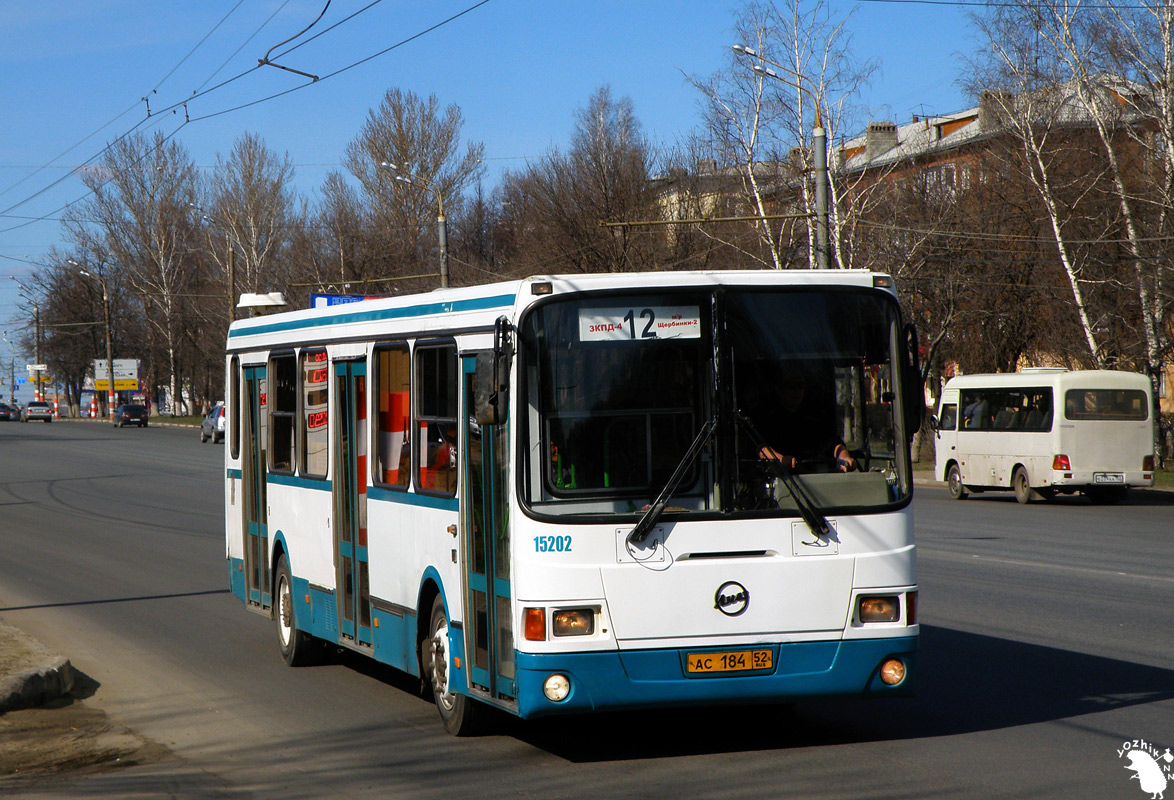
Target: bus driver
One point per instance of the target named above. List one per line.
(798, 429)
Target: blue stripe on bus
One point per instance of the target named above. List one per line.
(643, 678)
(233, 473)
(342, 317)
(298, 481)
(410, 499)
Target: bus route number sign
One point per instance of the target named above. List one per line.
(730, 661)
(639, 324)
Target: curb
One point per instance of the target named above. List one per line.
(30, 674)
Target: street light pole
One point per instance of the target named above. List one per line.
(819, 145)
(32, 298)
(441, 224)
(101, 276)
(11, 370)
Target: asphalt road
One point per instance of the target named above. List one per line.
(1047, 642)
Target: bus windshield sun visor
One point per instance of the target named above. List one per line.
(652, 514)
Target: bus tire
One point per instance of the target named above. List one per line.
(954, 483)
(1023, 491)
(458, 712)
(298, 648)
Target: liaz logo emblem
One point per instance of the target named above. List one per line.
(731, 598)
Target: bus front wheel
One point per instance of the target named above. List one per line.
(458, 712)
(954, 483)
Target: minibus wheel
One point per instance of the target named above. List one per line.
(1023, 490)
(954, 483)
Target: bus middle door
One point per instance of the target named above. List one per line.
(253, 485)
(485, 522)
(350, 501)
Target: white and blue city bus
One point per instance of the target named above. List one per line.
(554, 496)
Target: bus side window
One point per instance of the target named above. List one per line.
(436, 418)
(393, 395)
(948, 420)
(283, 408)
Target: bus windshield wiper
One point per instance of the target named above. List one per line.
(807, 505)
(646, 523)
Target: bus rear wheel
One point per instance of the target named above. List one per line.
(954, 483)
(458, 712)
(298, 648)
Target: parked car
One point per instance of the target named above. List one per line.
(38, 409)
(213, 425)
(7, 412)
(130, 414)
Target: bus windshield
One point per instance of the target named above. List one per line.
(793, 393)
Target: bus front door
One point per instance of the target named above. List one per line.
(485, 522)
(350, 501)
(255, 504)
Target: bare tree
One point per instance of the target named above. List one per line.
(556, 205)
(761, 121)
(252, 209)
(422, 141)
(1025, 99)
(140, 220)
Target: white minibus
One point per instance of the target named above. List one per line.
(1043, 432)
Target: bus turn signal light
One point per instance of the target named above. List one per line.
(534, 624)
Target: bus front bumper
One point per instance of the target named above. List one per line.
(633, 679)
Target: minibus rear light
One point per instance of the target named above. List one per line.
(1147, 464)
(1061, 462)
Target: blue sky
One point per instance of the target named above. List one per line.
(518, 70)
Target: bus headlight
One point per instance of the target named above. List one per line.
(879, 609)
(574, 622)
(556, 688)
(892, 671)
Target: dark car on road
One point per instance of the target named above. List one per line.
(38, 409)
(130, 414)
(7, 412)
(213, 425)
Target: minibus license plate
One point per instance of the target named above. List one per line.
(730, 661)
(1108, 477)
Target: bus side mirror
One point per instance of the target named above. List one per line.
(914, 385)
(491, 377)
(485, 391)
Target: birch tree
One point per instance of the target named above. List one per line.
(762, 123)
